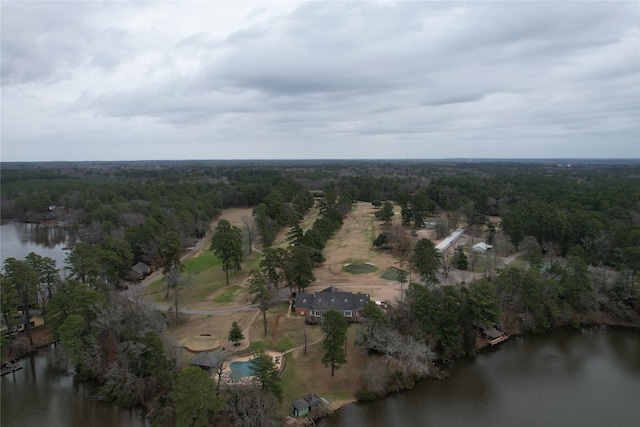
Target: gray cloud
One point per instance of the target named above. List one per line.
(320, 80)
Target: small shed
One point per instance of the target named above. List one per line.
(140, 271)
(306, 404)
(481, 247)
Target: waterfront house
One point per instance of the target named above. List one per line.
(19, 323)
(492, 335)
(331, 298)
(305, 405)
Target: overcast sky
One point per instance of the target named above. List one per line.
(319, 80)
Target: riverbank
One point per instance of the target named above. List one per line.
(42, 338)
(595, 320)
(587, 376)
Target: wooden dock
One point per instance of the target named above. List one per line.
(498, 340)
(10, 367)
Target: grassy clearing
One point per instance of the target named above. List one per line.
(359, 268)
(209, 279)
(289, 333)
(390, 274)
(205, 261)
(519, 263)
(227, 295)
(310, 218)
(305, 373)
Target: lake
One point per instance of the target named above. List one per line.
(17, 240)
(39, 395)
(587, 377)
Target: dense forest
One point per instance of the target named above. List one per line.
(561, 205)
(577, 223)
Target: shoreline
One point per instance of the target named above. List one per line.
(588, 321)
(341, 404)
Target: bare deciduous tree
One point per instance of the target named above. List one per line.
(251, 229)
(446, 266)
(414, 356)
(403, 351)
(401, 241)
(221, 361)
(441, 228)
(177, 281)
(251, 407)
(375, 381)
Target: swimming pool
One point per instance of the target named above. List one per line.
(240, 370)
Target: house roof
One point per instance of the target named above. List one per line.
(23, 319)
(312, 400)
(203, 359)
(301, 404)
(141, 268)
(309, 401)
(332, 298)
(493, 333)
(444, 245)
(481, 247)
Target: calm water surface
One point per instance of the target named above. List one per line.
(17, 240)
(38, 395)
(41, 396)
(588, 377)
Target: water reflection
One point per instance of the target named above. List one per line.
(563, 378)
(42, 395)
(49, 237)
(17, 240)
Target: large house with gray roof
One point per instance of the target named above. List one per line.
(332, 298)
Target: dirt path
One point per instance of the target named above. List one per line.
(234, 216)
(508, 260)
(246, 331)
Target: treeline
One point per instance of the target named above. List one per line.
(596, 206)
(442, 323)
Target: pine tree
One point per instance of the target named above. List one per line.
(235, 334)
(226, 243)
(335, 328)
(460, 260)
(267, 374)
(427, 260)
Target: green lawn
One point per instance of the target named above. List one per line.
(359, 268)
(203, 262)
(305, 373)
(228, 295)
(210, 278)
(390, 274)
